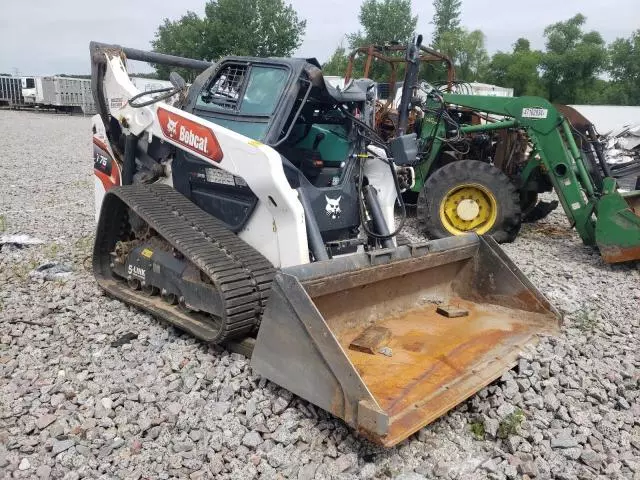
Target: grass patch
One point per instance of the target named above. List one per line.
(3, 223)
(22, 270)
(84, 244)
(511, 423)
(586, 320)
(52, 250)
(477, 430)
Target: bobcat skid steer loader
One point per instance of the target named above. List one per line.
(255, 208)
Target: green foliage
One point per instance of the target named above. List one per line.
(22, 269)
(477, 430)
(467, 51)
(445, 19)
(518, 69)
(511, 424)
(259, 28)
(84, 244)
(67, 75)
(3, 223)
(185, 37)
(384, 21)
(337, 64)
(52, 250)
(471, 58)
(624, 68)
(150, 75)
(572, 61)
(586, 319)
(575, 67)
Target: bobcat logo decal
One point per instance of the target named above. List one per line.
(332, 209)
(192, 134)
(171, 126)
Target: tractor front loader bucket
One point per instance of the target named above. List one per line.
(389, 341)
(618, 224)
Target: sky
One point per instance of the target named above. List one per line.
(44, 37)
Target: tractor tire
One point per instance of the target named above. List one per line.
(528, 201)
(466, 196)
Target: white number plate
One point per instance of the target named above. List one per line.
(538, 113)
(216, 175)
(115, 103)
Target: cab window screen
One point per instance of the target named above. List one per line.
(263, 90)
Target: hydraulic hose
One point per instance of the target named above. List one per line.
(314, 236)
(371, 197)
(168, 93)
(129, 163)
(363, 219)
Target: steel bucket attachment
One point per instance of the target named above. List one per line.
(618, 224)
(392, 340)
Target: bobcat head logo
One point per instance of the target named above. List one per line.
(171, 126)
(332, 209)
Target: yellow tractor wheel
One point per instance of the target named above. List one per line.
(469, 207)
(469, 196)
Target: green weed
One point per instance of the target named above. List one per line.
(477, 430)
(84, 244)
(511, 423)
(586, 319)
(22, 270)
(52, 250)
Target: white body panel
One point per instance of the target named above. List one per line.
(147, 84)
(378, 174)
(277, 227)
(98, 193)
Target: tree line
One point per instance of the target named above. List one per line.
(576, 66)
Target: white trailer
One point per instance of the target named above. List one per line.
(68, 94)
(489, 90)
(72, 94)
(32, 90)
(10, 91)
(60, 93)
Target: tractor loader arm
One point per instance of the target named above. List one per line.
(600, 214)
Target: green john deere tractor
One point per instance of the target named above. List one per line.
(481, 161)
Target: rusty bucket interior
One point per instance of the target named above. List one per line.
(390, 343)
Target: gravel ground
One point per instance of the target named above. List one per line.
(160, 404)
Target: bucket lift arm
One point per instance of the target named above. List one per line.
(602, 216)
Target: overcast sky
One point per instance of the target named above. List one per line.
(52, 36)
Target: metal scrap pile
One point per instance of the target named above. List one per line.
(623, 145)
(622, 150)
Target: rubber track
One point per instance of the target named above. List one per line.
(240, 274)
